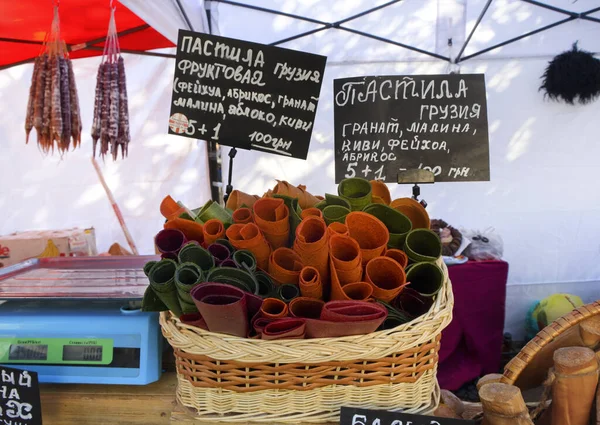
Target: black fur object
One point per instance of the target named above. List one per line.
(573, 76)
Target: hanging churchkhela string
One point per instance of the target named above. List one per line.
(111, 113)
(53, 107)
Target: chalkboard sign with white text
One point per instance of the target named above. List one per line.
(245, 95)
(19, 397)
(389, 124)
(352, 416)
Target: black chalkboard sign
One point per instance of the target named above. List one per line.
(389, 124)
(19, 397)
(352, 416)
(245, 95)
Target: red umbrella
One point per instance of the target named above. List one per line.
(84, 24)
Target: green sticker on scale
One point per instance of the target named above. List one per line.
(77, 351)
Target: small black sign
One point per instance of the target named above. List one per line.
(352, 416)
(390, 124)
(246, 95)
(19, 397)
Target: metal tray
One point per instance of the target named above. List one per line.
(109, 278)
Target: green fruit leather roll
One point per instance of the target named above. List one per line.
(162, 282)
(239, 278)
(357, 192)
(288, 292)
(212, 210)
(423, 245)
(266, 287)
(193, 253)
(244, 260)
(187, 276)
(335, 213)
(425, 278)
(397, 223)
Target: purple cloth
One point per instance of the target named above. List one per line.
(471, 345)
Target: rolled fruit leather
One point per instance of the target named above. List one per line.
(574, 382)
(503, 404)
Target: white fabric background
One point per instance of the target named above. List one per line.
(542, 198)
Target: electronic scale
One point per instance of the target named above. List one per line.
(77, 320)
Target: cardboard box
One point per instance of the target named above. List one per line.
(47, 243)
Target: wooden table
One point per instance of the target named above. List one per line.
(109, 404)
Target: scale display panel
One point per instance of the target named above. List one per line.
(56, 351)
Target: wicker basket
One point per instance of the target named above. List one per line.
(231, 379)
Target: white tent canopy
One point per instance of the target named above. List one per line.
(541, 198)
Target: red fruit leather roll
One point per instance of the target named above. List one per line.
(285, 266)
(288, 328)
(225, 308)
(398, 255)
(307, 308)
(412, 303)
(243, 216)
(370, 233)
(249, 237)
(213, 230)
(359, 291)
(310, 283)
(193, 231)
(219, 252)
(337, 228)
(169, 241)
(387, 277)
(273, 308)
(311, 244)
(259, 324)
(238, 199)
(380, 192)
(271, 215)
(345, 318)
(168, 207)
(310, 212)
(193, 319)
(346, 258)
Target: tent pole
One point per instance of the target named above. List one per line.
(549, 7)
(294, 37)
(512, 40)
(479, 19)
(213, 152)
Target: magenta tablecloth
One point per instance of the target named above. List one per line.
(472, 343)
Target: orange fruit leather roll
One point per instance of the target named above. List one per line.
(168, 207)
(398, 255)
(311, 212)
(213, 230)
(310, 283)
(193, 231)
(416, 213)
(305, 199)
(243, 216)
(311, 244)
(273, 308)
(370, 233)
(271, 215)
(346, 259)
(237, 199)
(285, 266)
(337, 228)
(387, 277)
(380, 192)
(248, 236)
(360, 291)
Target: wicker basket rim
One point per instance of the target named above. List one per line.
(513, 369)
